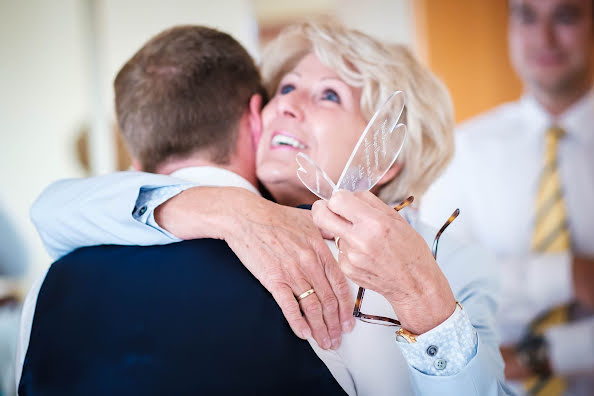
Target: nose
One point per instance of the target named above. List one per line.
(546, 34)
(291, 105)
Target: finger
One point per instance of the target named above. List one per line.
(326, 219)
(350, 207)
(341, 289)
(359, 275)
(284, 297)
(320, 205)
(327, 234)
(374, 202)
(312, 310)
(302, 279)
(326, 293)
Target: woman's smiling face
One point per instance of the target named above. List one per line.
(315, 112)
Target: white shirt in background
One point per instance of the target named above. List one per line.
(493, 179)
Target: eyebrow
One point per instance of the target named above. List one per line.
(335, 79)
(322, 79)
(573, 9)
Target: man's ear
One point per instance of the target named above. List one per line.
(136, 164)
(255, 117)
(390, 174)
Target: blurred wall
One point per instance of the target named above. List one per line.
(43, 101)
(57, 63)
(388, 20)
(465, 44)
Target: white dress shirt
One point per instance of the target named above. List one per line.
(464, 357)
(493, 179)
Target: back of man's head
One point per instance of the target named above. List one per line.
(183, 93)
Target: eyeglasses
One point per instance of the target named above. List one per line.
(382, 320)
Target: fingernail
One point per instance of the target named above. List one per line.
(348, 325)
(306, 334)
(326, 343)
(335, 343)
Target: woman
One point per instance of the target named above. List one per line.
(325, 82)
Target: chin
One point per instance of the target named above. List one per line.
(289, 191)
(554, 84)
(275, 172)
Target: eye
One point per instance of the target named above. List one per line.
(524, 14)
(567, 16)
(331, 95)
(286, 88)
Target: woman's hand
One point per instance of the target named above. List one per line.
(279, 245)
(380, 251)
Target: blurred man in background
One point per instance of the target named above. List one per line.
(523, 177)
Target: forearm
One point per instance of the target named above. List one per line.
(208, 212)
(73, 213)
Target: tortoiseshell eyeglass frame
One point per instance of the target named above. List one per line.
(373, 319)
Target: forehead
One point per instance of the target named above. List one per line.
(550, 6)
(311, 65)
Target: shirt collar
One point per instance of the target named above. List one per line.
(213, 176)
(576, 120)
(579, 118)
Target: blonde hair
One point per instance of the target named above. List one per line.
(362, 61)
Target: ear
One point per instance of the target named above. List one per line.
(255, 118)
(136, 165)
(390, 175)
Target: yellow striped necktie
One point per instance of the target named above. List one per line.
(551, 235)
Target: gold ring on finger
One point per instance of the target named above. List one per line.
(305, 294)
(336, 241)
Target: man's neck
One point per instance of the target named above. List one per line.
(558, 103)
(175, 165)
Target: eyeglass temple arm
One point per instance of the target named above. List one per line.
(442, 229)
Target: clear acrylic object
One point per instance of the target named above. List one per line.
(373, 155)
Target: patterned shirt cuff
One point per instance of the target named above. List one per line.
(151, 197)
(444, 350)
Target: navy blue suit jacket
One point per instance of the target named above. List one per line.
(179, 319)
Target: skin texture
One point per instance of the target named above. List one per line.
(380, 251)
(323, 113)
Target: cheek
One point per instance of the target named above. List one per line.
(336, 148)
(260, 150)
(577, 42)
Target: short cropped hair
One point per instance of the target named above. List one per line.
(362, 61)
(184, 92)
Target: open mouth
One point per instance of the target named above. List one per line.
(281, 140)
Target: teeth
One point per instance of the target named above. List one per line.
(282, 140)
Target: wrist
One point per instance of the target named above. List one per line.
(199, 212)
(425, 314)
(533, 353)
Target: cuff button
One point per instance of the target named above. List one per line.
(440, 364)
(142, 211)
(432, 350)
